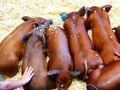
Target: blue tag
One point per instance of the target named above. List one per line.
(63, 16)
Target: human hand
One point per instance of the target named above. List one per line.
(27, 75)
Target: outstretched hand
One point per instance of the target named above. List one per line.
(13, 84)
(27, 75)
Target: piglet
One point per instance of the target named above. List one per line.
(105, 78)
(84, 57)
(103, 37)
(60, 63)
(34, 56)
(12, 45)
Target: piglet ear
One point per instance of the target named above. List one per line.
(53, 72)
(25, 18)
(74, 73)
(63, 16)
(91, 87)
(35, 24)
(114, 28)
(82, 11)
(106, 8)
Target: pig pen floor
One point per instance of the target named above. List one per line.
(11, 12)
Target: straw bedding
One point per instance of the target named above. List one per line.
(11, 12)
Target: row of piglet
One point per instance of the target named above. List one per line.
(70, 50)
(102, 77)
(28, 41)
(102, 63)
(106, 44)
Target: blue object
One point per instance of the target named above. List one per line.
(1, 78)
(26, 36)
(50, 21)
(63, 16)
(52, 72)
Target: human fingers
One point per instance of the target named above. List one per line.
(30, 71)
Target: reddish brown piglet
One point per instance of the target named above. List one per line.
(34, 56)
(105, 78)
(103, 37)
(11, 47)
(60, 63)
(84, 56)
